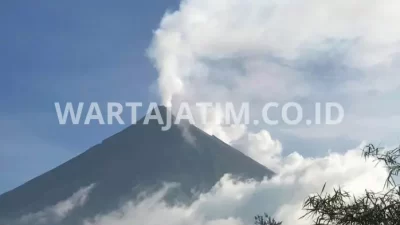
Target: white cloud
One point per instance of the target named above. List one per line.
(153, 211)
(203, 36)
(234, 202)
(266, 50)
(58, 212)
(262, 148)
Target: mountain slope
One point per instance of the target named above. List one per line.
(137, 158)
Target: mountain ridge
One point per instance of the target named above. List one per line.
(138, 156)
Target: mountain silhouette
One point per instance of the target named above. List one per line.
(139, 158)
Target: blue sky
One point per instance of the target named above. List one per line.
(256, 51)
(67, 51)
(96, 51)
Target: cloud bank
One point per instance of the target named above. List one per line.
(235, 203)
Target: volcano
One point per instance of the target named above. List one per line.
(139, 158)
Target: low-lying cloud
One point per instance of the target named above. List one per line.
(56, 213)
(232, 202)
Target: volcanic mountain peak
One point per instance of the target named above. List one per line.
(139, 158)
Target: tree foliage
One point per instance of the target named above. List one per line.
(342, 208)
(266, 220)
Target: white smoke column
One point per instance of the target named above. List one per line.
(196, 40)
(236, 50)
